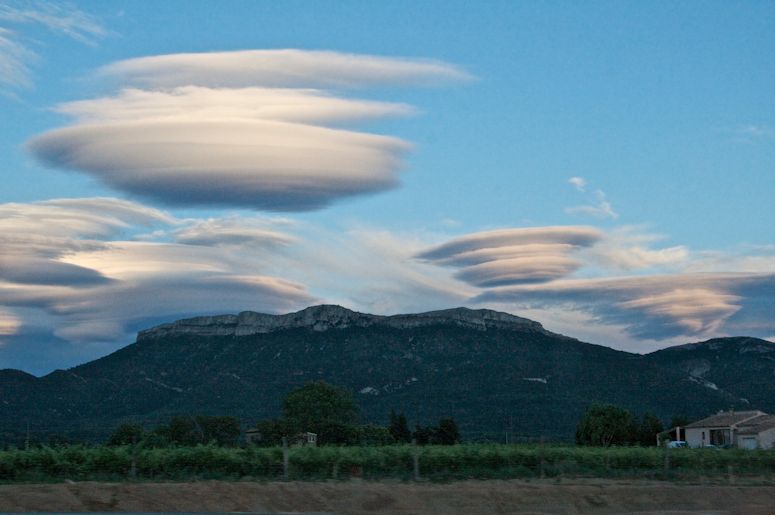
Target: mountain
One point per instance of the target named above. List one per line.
(742, 367)
(493, 372)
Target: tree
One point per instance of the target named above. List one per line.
(649, 428)
(679, 421)
(399, 429)
(127, 434)
(224, 431)
(423, 435)
(605, 425)
(374, 435)
(448, 433)
(324, 409)
(182, 431)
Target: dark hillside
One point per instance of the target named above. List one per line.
(491, 371)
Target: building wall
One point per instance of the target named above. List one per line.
(694, 436)
(767, 439)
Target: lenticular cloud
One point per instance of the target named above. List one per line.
(243, 129)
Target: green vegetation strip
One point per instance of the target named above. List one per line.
(481, 461)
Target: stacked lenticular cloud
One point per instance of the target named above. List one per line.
(257, 129)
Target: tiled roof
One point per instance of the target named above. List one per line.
(725, 418)
(757, 425)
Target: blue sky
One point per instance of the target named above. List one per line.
(611, 161)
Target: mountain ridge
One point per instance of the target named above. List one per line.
(495, 373)
(329, 316)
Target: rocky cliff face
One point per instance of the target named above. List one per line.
(325, 317)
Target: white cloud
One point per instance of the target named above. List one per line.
(16, 59)
(197, 103)
(676, 292)
(219, 130)
(281, 68)
(753, 132)
(58, 17)
(76, 259)
(656, 306)
(630, 248)
(513, 256)
(579, 183)
(9, 324)
(600, 208)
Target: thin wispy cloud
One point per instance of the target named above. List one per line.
(60, 17)
(16, 58)
(579, 183)
(598, 206)
(241, 129)
(752, 133)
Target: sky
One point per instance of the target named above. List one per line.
(605, 168)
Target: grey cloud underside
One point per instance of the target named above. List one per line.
(257, 164)
(527, 269)
(513, 256)
(658, 307)
(67, 258)
(48, 272)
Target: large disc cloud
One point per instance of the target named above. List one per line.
(239, 128)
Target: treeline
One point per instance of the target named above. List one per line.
(327, 411)
(606, 425)
(330, 412)
(180, 431)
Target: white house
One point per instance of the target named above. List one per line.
(757, 433)
(743, 429)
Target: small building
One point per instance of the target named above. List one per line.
(253, 436)
(724, 429)
(305, 439)
(757, 433)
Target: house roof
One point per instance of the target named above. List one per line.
(726, 418)
(757, 425)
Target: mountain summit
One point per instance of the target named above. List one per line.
(328, 316)
(497, 374)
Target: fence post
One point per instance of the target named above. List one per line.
(133, 469)
(731, 474)
(667, 462)
(415, 460)
(542, 473)
(285, 458)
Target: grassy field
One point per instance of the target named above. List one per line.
(475, 461)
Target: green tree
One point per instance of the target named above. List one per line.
(271, 432)
(181, 430)
(648, 430)
(424, 435)
(448, 433)
(679, 421)
(324, 409)
(127, 434)
(399, 429)
(605, 425)
(224, 431)
(374, 435)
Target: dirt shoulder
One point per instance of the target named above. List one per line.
(356, 497)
